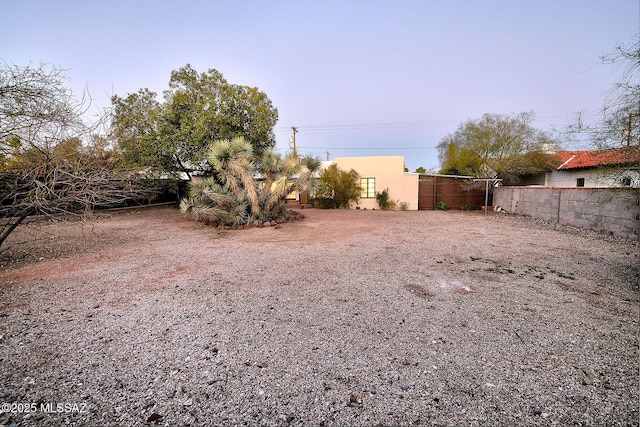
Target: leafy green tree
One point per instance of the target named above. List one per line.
(136, 126)
(496, 146)
(337, 188)
(421, 170)
(235, 196)
(198, 109)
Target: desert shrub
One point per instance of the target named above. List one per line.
(337, 188)
(442, 206)
(384, 201)
(471, 208)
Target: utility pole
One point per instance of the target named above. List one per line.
(328, 155)
(628, 131)
(293, 139)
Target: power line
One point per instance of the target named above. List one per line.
(367, 148)
(356, 126)
(390, 125)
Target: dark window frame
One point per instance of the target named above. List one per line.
(365, 188)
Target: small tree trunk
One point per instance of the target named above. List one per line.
(7, 230)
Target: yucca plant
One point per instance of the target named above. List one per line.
(245, 189)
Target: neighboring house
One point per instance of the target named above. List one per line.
(591, 169)
(378, 173)
(418, 191)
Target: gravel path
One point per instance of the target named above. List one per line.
(345, 318)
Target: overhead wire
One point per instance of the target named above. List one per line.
(368, 148)
(389, 125)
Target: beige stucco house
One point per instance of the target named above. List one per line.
(378, 173)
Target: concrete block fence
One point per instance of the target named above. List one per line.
(613, 211)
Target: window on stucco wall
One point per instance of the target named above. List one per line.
(579, 182)
(367, 188)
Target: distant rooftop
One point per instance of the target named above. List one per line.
(583, 159)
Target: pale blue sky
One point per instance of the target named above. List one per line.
(357, 77)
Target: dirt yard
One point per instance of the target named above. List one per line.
(344, 318)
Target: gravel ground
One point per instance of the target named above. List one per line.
(345, 318)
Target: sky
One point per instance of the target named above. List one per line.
(357, 78)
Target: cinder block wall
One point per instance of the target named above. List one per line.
(613, 211)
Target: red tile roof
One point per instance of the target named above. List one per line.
(583, 159)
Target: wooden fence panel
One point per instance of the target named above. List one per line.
(453, 191)
(426, 192)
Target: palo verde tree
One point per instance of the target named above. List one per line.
(495, 146)
(245, 188)
(198, 109)
(617, 124)
(51, 162)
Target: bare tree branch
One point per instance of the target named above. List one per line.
(50, 161)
